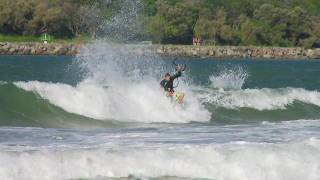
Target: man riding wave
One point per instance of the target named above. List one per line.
(167, 84)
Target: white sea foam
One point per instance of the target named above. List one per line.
(145, 101)
(260, 99)
(227, 161)
(130, 103)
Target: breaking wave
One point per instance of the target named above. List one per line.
(260, 99)
(236, 161)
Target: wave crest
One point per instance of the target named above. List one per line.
(138, 102)
(260, 99)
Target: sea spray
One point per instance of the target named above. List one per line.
(126, 25)
(229, 78)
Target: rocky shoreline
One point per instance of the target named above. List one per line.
(239, 52)
(39, 49)
(169, 50)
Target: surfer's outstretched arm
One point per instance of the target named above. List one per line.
(178, 74)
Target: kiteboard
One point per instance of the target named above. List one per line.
(179, 97)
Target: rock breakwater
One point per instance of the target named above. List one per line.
(169, 50)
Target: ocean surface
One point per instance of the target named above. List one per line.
(102, 115)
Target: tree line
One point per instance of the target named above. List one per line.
(62, 18)
(233, 22)
(283, 23)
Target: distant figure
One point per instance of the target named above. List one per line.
(199, 42)
(196, 41)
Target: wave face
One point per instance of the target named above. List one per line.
(95, 102)
(121, 104)
(23, 108)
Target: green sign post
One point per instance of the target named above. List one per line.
(46, 38)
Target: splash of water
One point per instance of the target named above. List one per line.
(126, 25)
(233, 78)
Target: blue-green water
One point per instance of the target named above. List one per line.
(103, 115)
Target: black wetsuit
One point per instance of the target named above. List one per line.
(168, 85)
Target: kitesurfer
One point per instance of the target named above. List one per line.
(167, 84)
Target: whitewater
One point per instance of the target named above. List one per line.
(266, 151)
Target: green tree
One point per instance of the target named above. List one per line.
(14, 15)
(214, 27)
(178, 20)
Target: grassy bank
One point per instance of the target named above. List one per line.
(23, 39)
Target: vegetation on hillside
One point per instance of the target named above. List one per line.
(219, 22)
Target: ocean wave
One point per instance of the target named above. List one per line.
(260, 99)
(235, 161)
(127, 102)
(26, 109)
(227, 106)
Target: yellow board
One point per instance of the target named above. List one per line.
(179, 97)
